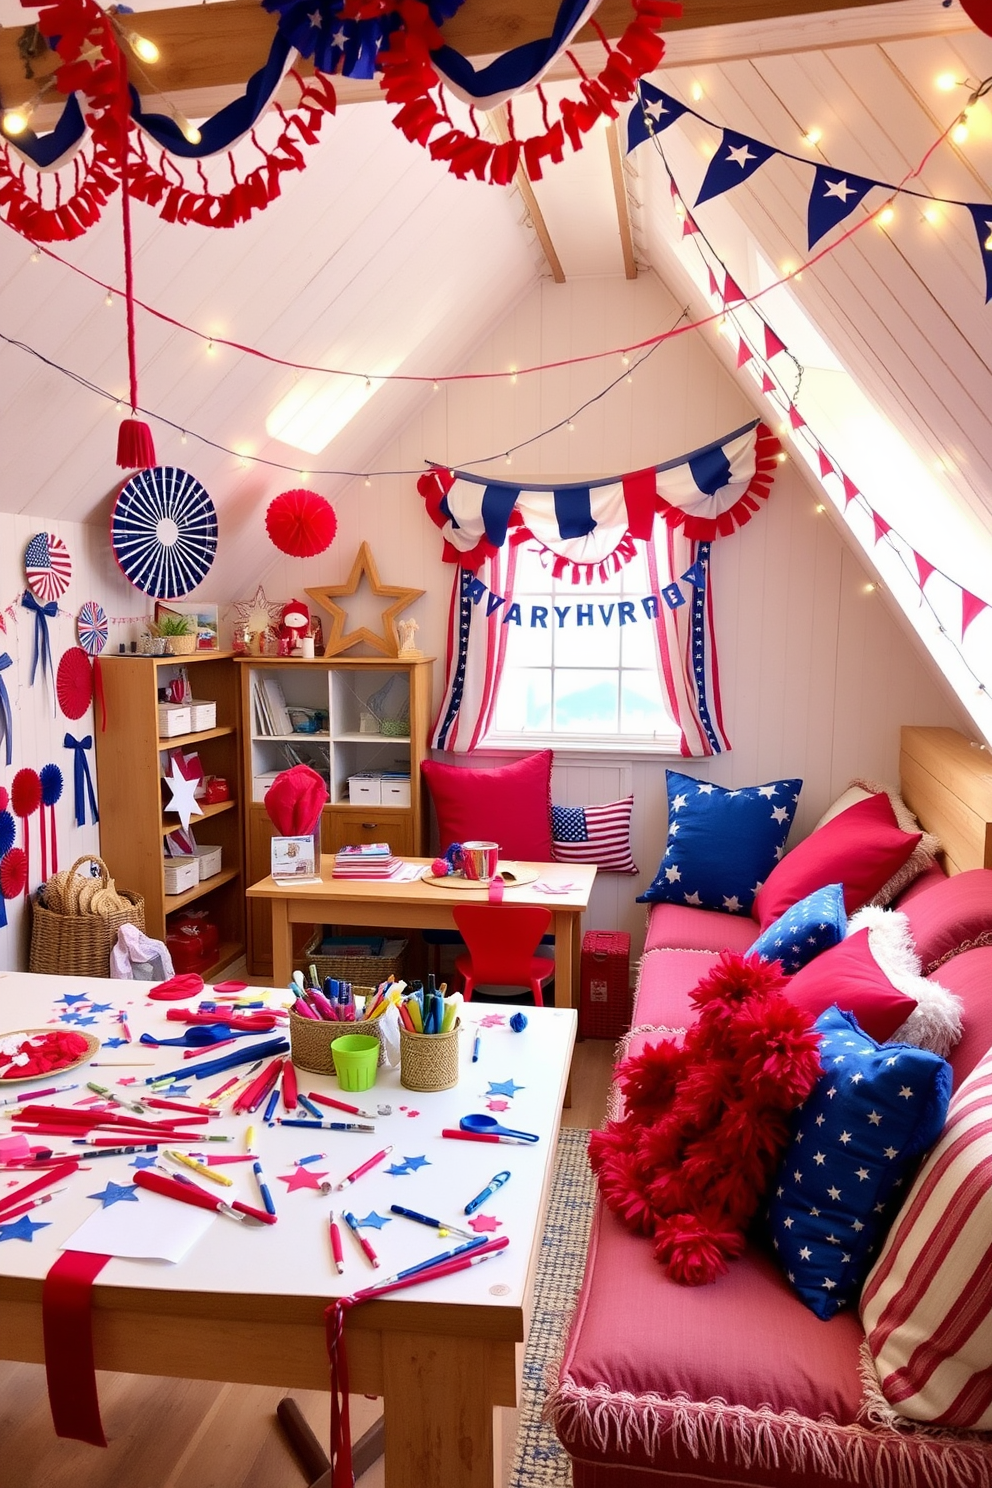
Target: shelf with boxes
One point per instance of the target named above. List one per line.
(361, 723)
(146, 733)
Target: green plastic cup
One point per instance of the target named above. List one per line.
(356, 1057)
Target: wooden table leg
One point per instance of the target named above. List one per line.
(282, 943)
(438, 1406)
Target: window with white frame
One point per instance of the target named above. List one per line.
(581, 669)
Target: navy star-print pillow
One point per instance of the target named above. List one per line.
(813, 925)
(722, 844)
(857, 1141)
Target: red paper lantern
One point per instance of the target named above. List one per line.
(301, 523)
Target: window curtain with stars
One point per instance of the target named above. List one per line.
(587, 532)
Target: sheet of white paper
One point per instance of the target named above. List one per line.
(152, 1229)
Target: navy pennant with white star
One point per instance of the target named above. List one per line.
(834, 196)
(656, 112)
(737, 158)
(982, 218)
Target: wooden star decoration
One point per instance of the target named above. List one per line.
(340, 639)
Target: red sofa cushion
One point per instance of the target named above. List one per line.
(848, 975)
(690, 929)
(969, 976)
(510, 805)
(952, 916)
(861, 848)
(665, 980)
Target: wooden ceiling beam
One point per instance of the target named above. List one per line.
(206, 48)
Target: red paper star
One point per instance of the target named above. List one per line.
(301, 1178)
(413, 1113)
(496, 1104)
(484, 1224)
(127, 1079)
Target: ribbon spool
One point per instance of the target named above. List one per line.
(52, 784)
(25, 798)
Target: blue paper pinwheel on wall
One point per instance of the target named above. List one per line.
(163, 531)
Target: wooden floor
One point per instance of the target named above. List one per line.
(167, 1433)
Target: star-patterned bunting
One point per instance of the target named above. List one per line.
(834, 196)
(737, 157)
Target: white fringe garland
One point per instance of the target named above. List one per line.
(605, 1420)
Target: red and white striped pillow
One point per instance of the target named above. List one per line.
(927, 1304)
(594, 834)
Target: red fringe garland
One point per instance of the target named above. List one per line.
(705, 529)
(408, 76)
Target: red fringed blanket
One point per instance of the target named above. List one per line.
(707, 1120)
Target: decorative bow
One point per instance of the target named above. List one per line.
(82, 779)
(6, 719)
(42, 645)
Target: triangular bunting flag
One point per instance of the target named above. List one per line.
(880, 525)
(773, 345)
(851, 491)
(744, 355)
(714, 287)
(923, 568)
(655, 112)
(795, 417)
(737, 158)
(688, 226)
(767, 386)
(982, 218)
(732, 292)
(971, 608)
(696, 575)
(826, 465)
(834, 196)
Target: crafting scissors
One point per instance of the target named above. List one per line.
(487, 1192)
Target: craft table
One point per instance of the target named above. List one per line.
(247, 1303)
(424, 906)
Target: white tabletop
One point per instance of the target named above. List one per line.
(293, 1257)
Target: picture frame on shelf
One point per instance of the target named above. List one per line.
(204, 615)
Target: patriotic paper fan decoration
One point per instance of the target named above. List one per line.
(25, 798)
(91, 627)
(52, 784)
(47, 566)
(163, 531)
(13, 873)
(301, 523)
(74, 683)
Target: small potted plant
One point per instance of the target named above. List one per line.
(179, 634)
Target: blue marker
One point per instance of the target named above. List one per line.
(314, 1157)
(263, 1187)
(487, 1192)
(309, 1106)
(271, 1103)
(475, 1048)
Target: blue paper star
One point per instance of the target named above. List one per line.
(100, 1007)
(503, 1087)
(374, 1221)
(114, 1043)
(114, 1192)
(413, 1163)
(69, 1017)
(22, 1229)
(170, 1090)
(83, 1022)
(71, 997)
(143, 1162)
(397, 1170)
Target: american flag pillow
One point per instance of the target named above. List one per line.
(927, 1304)
(594, 834)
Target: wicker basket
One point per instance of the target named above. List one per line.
(370, 970)
(429, 1061)
(310, 1041)
(79, 944)
(182, 645)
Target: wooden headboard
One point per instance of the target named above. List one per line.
(947, 784)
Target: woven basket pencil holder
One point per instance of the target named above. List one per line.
(429, 1061)
(310, 1041)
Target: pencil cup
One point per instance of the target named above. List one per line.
(356, 1056)
(429, 1061)
(310, 1041)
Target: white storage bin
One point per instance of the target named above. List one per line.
(203, 715)
(395, 790)
(173, 719)
(181, 874)
(261, 783)
(365, 790)
(208, 861)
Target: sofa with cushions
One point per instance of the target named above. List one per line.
(741, 1381)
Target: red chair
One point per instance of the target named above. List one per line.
(500, 942)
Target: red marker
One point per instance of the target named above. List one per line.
(466, 1136)
(352, 1224)
(336, 1248)
(289, 1088)
(366, 1166)
(327, 1100)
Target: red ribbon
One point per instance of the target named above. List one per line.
(67, 1324)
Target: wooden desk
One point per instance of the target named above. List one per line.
(420, 906)
(247, 1304)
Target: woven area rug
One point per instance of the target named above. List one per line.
(539, 1461)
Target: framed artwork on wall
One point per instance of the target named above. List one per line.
(204, 616)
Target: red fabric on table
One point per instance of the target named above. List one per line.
(848, 975)
(861, 848)
(952, 916)
(177, 987)
(67, 1325)
(685, 928)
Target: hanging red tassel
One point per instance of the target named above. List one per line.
(135, 446)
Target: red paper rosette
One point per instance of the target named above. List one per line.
(74, 682)
(301, 523)
(13, 873)
(4, 798)
(25, 792)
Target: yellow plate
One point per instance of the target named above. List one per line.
(512, 874)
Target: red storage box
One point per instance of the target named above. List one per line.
(605, 997)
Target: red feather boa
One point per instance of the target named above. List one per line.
(707, 1120)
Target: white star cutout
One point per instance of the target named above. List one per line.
(740, 155)
(181, 801)
(840, 189)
